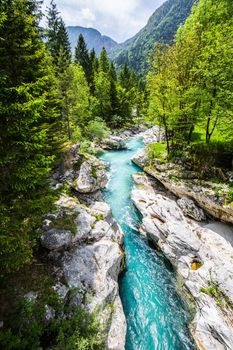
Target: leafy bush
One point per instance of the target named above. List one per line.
(97, 130)
(81, 331)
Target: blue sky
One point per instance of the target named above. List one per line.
(119, 19)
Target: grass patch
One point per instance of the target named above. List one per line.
(213, 291)
(99, 217)
(157, 150)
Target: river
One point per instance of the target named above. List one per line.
(157, 318)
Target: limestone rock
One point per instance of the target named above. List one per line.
(116, 339)
(115, 142)
(31, 296)
(202, 195)
(56, 239)
(84, 222)
(92, 177)
(141, 158)
(90, 261)
(189, 208)
(49, 314)
(201, 255)
(152, 135)
(102, 209)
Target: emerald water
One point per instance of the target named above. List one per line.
(156, 316)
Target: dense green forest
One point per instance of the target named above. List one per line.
(191, 94)
(48, 98)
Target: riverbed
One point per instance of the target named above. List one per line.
(157, 317)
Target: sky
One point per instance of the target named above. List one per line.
(119, 19)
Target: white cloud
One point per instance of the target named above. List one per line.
(120, 19)
(86, 17)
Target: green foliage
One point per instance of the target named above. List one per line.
(213, 291)
(74, 96)
(81, 332)
(66, 222)
(97, 130)
(56, 35)
(99, 217)
(158, 151)
(190, 83)
(75, 330)
(82, 57)
(27, 121)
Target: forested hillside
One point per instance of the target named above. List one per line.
(161, 27)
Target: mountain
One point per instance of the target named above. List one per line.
(161, 27)
(93, 38)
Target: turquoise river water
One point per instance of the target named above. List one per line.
(157, 318)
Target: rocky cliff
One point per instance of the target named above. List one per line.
(202, 255)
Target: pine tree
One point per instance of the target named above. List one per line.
(82, 57)
(26, 110)
(53, 26)
(103, 61)
(63, 40)
(124, 77)
(57, 36)
(113, 91)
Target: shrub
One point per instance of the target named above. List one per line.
(97, 130)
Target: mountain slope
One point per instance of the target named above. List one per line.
(161, 27)
(93, 38)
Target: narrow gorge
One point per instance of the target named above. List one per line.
(156, 315)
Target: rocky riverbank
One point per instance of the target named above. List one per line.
(84, 245)
(83, 242)
(177, 219)
(209, 195)
(76, 266)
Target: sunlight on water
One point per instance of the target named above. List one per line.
(156, 316)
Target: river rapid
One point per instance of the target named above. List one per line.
(157, 318)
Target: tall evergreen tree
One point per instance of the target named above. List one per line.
(57, 36)
(82, 57)
(26, 109)
(63, 39)
(113, 90)
(103, 61)
(124, 76)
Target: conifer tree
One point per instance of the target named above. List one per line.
(82, 57)
(103, 61)
(124, 76)
(26, 110)
(57, 36)
(113, 91)
(63, 40)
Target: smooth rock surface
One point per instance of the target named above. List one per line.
(153, 135)
(201, 256)
(92, 177)
(141, 158)
(91, 264)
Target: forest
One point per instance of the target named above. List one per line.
(190, 86)
(51, 99)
